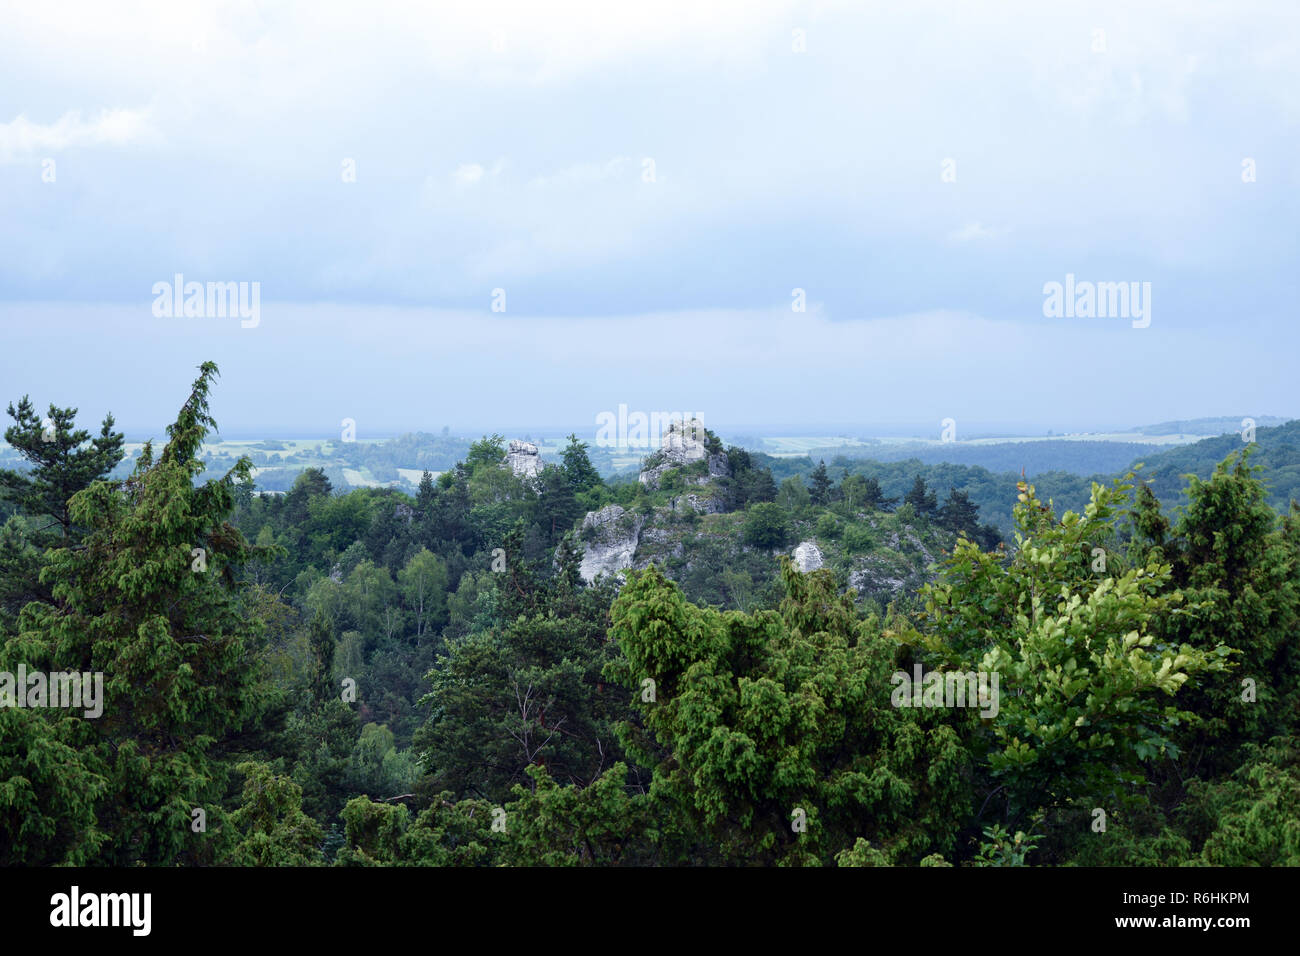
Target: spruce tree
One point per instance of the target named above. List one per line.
(921, 499)
(960, 515)
(820, 485)
(578, 469)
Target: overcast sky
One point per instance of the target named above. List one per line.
(648, 183)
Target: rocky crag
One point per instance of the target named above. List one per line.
(682, 519)
(523, 459)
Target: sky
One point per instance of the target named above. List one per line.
(512, 213)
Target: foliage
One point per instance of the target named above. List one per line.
(428, 680)
(180, 675)
(1085, 682)
(767, 526)
(763, 720)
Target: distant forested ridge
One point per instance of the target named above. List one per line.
(1032, 457)
(1221, 425)
(558, 669)
(1276, 449)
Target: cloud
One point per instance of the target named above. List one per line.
(289, 47)
(585, 174)
(760, 182)
(471, 174)
(21, 138)
(975, 231)
(468, 174)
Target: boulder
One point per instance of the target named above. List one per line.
(808, 557)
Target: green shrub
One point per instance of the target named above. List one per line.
(858, 539)
(767, 525)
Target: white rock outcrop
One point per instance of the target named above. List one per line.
(873, 580)
(684, 444)
(808, 557)
(700, 504)
(609, 539)
(524, 459)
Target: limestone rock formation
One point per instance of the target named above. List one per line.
(700, 504)
(808, 557)
(609, 539)
(524, 459)
(872, 580)
(684, 444)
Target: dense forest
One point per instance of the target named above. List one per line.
(377, 678)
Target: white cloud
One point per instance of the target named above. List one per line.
(584, 174)
(471, 174)
(259, 102)
(293, 46)
(975, 231)
(22, 138)
(468, 174)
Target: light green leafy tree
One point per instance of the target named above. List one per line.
(1086, 683)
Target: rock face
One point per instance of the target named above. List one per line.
(871, 580)
(609, 538)
(523, 459)
(700, 504)
(683, 444)
(660, 543)
(684, 441)
(808, 557)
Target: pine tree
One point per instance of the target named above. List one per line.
(873, 496)
(425, 495)
(273, 829)
(960, 515)
(820, 485)
(756, 716)
(62, 463)
(1231, 561)
(577, 467)
(922, 500)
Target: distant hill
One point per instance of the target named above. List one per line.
(1276, 448)
(1034, 457)
(993, 492)
(1208, 426)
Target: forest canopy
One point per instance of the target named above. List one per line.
(382, 678)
